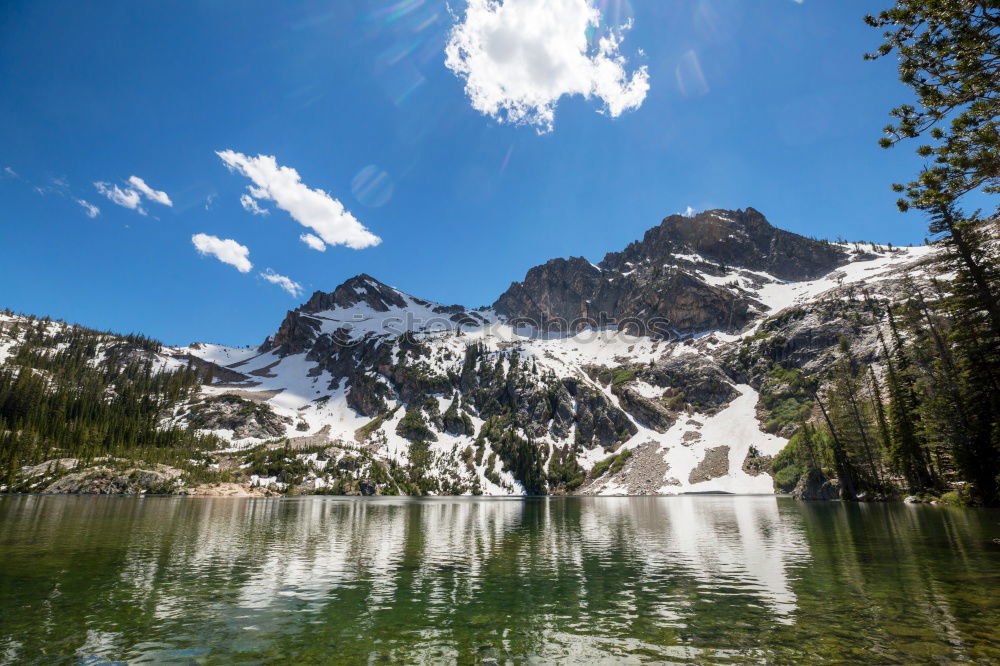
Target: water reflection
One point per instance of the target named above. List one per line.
(461, 580)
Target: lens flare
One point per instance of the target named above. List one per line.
(614, 15)
(372, 186)
(615, 12)
(506, 160)
(690, 77)
(410, 34)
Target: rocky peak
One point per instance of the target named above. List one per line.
(363, 305)
(737, 238)
(359, 289)
(663, 276)
(298, 330)
(677, 278)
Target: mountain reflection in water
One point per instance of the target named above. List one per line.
(682, 579)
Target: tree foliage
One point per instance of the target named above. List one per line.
(948, 55)
(76, 393)
(943, 370)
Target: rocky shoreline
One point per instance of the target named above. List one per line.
(63, 476)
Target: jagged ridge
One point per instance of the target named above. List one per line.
(460, 400)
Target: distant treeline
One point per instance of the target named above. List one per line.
(72, 392)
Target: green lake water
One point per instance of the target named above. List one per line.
(690, 579)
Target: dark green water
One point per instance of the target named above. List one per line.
(713, 579)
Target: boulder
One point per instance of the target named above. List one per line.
(815, 486)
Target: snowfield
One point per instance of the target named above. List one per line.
(315, 403)
(305, 394)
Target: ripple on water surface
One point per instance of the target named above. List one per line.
(677, 579)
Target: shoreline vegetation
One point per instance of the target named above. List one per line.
(928, 420)
(129, 478)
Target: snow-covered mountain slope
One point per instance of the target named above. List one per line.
(492, 401)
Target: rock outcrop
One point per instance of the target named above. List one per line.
(246, 418)
(734, 238)
(567, 295)
(712, 466)
(815, 486)
(102, 480)
(227, 489)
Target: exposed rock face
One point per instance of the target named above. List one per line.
(359, 289)
(712, 466)
(740, 238)
(756, 464)
(106, 481)
(226, 490)
(219, 373)
(815, 486)
(48, 467)
(568, 294)
(244, 417)
(596, 417)
(688, 381)
(704, 385)
(660, 280)
(300, 330)
(651, 413)
(295, 335)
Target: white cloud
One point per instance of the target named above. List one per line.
(90, 209)
(250, 204)
(518, 57)
(311, 208)
(10, 172)
(151, 194)
(289, 285)
(315, 242)
(127, 198)
(688, 212)
(210, 201)
(131, 197)
(226, 250)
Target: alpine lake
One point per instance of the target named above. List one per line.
(688, 580)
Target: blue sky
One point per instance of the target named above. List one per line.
(765, 103)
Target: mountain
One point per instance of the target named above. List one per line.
(674, 365)
(678, 273)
